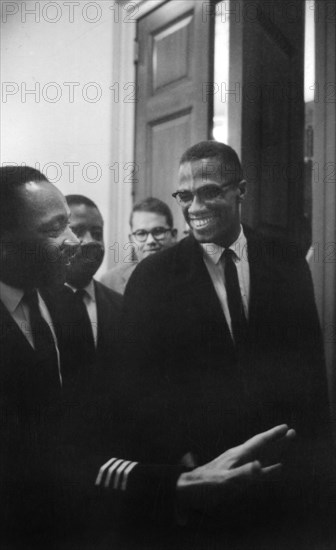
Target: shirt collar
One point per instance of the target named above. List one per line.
(213, 252)
(89, 289)
(10, 296)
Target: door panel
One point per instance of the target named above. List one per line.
(272, 116)
(174, 130)
(171, 52)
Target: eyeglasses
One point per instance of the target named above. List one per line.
(158, 233)
(206, 193)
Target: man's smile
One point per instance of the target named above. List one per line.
(199, 222)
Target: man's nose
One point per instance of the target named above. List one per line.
(86, 238)
(70, 244)
(70, 237)
(150, 239)
(196, 205)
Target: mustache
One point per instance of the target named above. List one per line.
(69, 250)
(89, 252)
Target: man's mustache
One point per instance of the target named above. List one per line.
(89, 252)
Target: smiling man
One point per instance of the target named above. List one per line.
(224, 342)
(210, 192)
(36, 245)
(90, 305)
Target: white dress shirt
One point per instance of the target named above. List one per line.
(91, 307)
(12, 298)
(212, 254)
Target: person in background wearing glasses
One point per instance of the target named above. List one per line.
(152, 230)
(223, 342)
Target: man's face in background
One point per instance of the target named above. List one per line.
(87, 224)
(150, 233)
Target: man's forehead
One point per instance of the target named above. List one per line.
(209, 170)
(82, 213)
(40, 201)
(144, 220)
(201, 170)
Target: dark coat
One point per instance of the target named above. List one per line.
(76, 364)
(109, 305)
(29, 420)
(54, 442)
(193, 393)
(41, 427)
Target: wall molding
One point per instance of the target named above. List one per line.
(324, 189)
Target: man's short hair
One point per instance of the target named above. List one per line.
(11, 178)
(80, 199)
(231, 168)
(157, 206)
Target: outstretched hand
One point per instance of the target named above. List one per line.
(233, 471)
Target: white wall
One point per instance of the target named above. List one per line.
(68, 126)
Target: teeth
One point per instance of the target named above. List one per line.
(201, 222)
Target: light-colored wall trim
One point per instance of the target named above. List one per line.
(122, 128)
(324, 188)
(122, 140)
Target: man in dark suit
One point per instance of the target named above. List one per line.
(224, 342)
(92, 310)
(36, 244)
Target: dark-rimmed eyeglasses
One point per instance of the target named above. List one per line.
(206, 193)
(158, 233)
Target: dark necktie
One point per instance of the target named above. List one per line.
(84, 325)
(44, 345)
(237, 314)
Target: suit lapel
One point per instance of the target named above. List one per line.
(105, 320)
(102, 320)
(193, 277)
(11, 334)
(195, 280)
(19, 376)
(261, 282)
(108, 316)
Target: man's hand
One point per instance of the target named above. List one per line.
(225, 477)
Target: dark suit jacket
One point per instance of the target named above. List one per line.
(77, 364)
(33, 415)
(193, 393)
(53, 443)
(94, 429)
(109, 305)
(29, 420)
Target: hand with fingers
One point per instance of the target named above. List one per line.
(231, 473)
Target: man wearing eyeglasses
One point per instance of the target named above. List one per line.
(152, 230)
(224, 342)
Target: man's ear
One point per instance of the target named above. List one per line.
(242, 190)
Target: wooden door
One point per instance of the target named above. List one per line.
(174, 62)
(266, 111)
